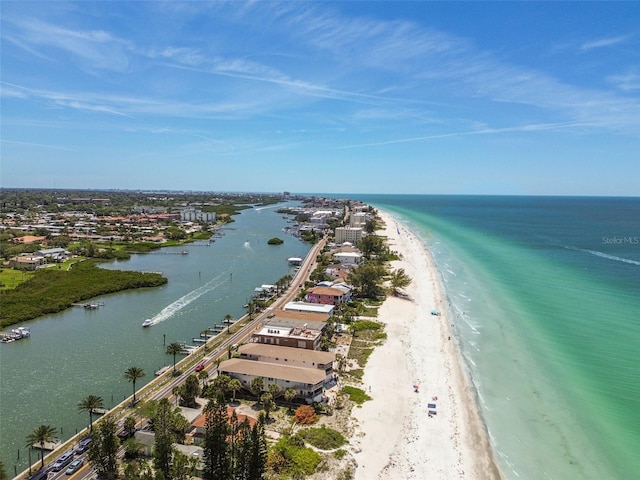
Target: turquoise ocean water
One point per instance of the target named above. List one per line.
(544, 293)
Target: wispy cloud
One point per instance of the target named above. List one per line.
(481, 131)
(41, 145)
(94, 49)
(604, 42)
(626, 82)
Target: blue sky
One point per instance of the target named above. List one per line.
(355, 97)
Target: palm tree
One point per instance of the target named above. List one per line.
(174, 349)
(132, 374)
(203, 375)
(89, 404)
(227, 320)
(40, 436)
(234, 385)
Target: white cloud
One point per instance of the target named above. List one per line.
(604, 42)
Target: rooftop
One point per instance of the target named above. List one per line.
(309, 376)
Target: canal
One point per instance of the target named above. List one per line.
(83, 352)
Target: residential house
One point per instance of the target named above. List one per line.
(328, 295)
(26, 262)
(348, 258)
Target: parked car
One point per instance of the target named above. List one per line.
(75, 466)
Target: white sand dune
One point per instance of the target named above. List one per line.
(396, 438)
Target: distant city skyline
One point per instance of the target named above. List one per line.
(532, 98)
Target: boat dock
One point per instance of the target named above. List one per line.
(50, 446)
(89, 306)
(15, 334)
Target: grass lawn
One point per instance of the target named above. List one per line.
(10, 278)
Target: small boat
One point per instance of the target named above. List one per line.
(147, 323)
(185, 252)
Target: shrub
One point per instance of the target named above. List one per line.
(356, 395)
(323, 438)
(305, 415)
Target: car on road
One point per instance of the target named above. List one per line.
(75, 466)
(83, 446)
(40, 475)
(62, 461)
(200, 367)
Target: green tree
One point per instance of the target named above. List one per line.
(183, 467)
(3, 472)
(89, 404)
(267, 403)
(366, 279)
(203, 375)
(216, 448)
(258, 454)
(174, 349)
(289, 395)
(227, 320)
(219, 386)
(129, 426)
(132, 374)
(257, 387)
(41, 435)
(234, 385)
(164, 438)
(189, 391)
(103, 450)
(399, 279)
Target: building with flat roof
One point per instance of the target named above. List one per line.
(309, 307)
(295, 357)
(348, 234)
(308, 383)
(288, 336)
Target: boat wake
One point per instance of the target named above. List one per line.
(606, 255)
(179, 304)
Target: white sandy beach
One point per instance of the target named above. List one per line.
(395, 436)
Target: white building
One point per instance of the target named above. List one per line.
(191, 215)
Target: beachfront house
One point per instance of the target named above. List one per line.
(328, 295)
(348, 258)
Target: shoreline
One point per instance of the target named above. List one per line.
(435, 430)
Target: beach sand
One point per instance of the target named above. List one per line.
(395, 436)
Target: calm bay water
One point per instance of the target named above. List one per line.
(86, 352)
(545, 298)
